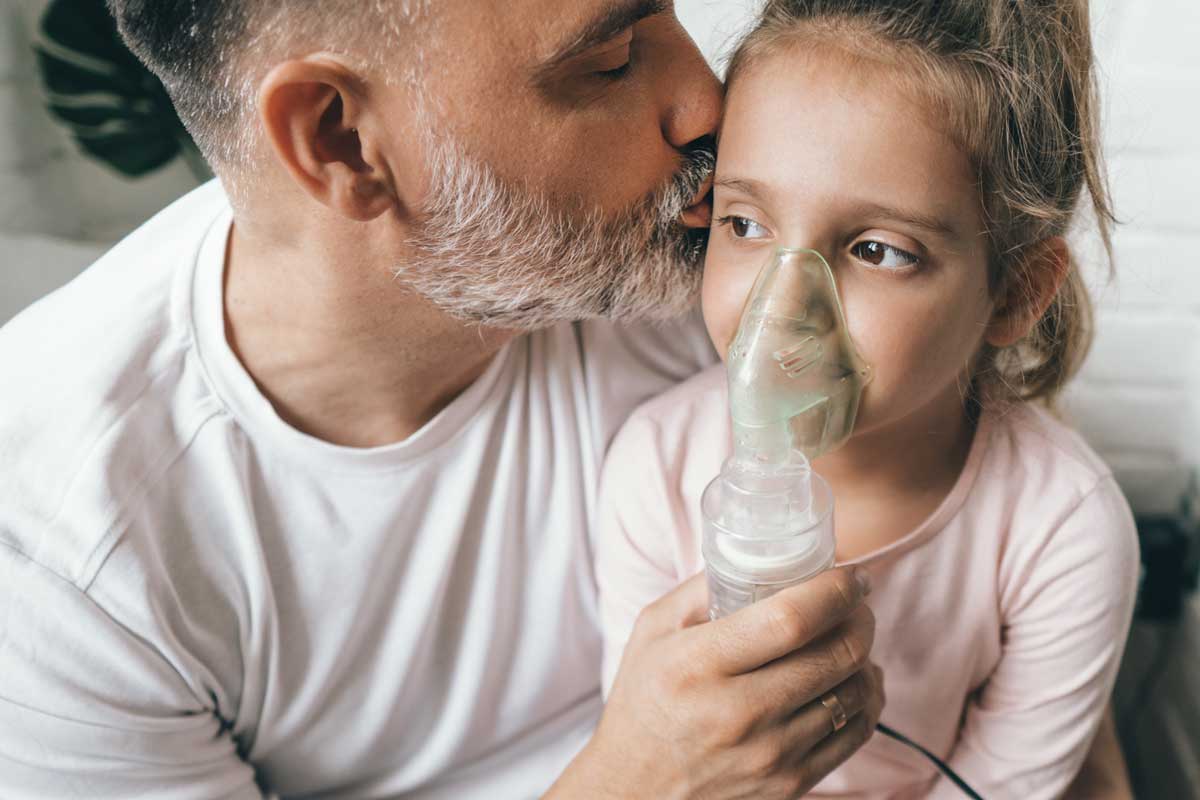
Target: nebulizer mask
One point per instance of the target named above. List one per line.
(795, 380)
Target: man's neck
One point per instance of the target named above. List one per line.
(341, 350)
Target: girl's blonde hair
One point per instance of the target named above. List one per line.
(1015, 81)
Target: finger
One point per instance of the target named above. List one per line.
(817, 721)
(684, 606)
(782, 623)
(803, 676)
(833, 751)
(876, 697)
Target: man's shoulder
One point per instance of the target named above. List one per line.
(117, 305)
(116, 285)
(99, 391)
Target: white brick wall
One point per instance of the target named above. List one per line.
(1137, 398)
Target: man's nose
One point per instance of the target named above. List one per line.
(692, 107)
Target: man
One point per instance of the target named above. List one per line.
(296, 481)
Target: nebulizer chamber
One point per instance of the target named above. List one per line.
(795, 379)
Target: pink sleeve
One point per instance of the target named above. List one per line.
(1067, 603)
(636, 531)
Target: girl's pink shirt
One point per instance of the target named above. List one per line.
(1000, 620)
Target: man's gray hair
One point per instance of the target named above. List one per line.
(210, 54)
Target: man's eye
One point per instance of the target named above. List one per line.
(744, 228)
(883, 255)
(615, 74)
(613, 63)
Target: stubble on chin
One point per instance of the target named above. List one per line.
(492, 253)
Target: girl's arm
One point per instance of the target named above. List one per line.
(1067, 601)
(637, 536)
(1104, 775)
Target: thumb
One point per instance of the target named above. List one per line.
(683, 607)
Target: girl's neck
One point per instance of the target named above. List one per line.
(888, 480)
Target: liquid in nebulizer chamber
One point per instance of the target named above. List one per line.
(795, 379)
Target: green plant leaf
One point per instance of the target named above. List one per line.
(116, 109)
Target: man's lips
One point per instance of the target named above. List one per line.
(699, 213)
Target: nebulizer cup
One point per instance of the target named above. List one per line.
(795, 380)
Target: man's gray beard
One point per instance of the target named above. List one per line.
(489, 252)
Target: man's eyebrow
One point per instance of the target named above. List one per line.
(606, 25)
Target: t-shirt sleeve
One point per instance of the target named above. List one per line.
(637, 521)
(1066, 611)
(88, 708)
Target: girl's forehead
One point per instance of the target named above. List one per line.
(823, 79)
(805, 126)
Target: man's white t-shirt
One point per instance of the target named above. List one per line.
(199, 601)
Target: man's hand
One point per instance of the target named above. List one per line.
(732, 708)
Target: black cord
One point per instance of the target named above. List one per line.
(937, 762)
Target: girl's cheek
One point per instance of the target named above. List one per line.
(712, 310)
(862, 322)
(722, 295)
(880, 338)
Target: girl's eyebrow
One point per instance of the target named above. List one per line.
(917, 219)
(928, 222)
(746, 186)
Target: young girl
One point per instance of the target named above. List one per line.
(934, 152)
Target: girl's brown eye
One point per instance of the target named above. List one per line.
(883, 255)
(744, 228)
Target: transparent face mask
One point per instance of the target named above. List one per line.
(795, 377)
(795, 382)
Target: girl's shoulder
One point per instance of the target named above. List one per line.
(1036, 447)
(1058, 505)
(700, 400)
(691, 417)
(676, 441)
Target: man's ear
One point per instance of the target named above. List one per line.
(312, 113)
(1028, 291)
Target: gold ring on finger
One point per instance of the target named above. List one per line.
(831, 702)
